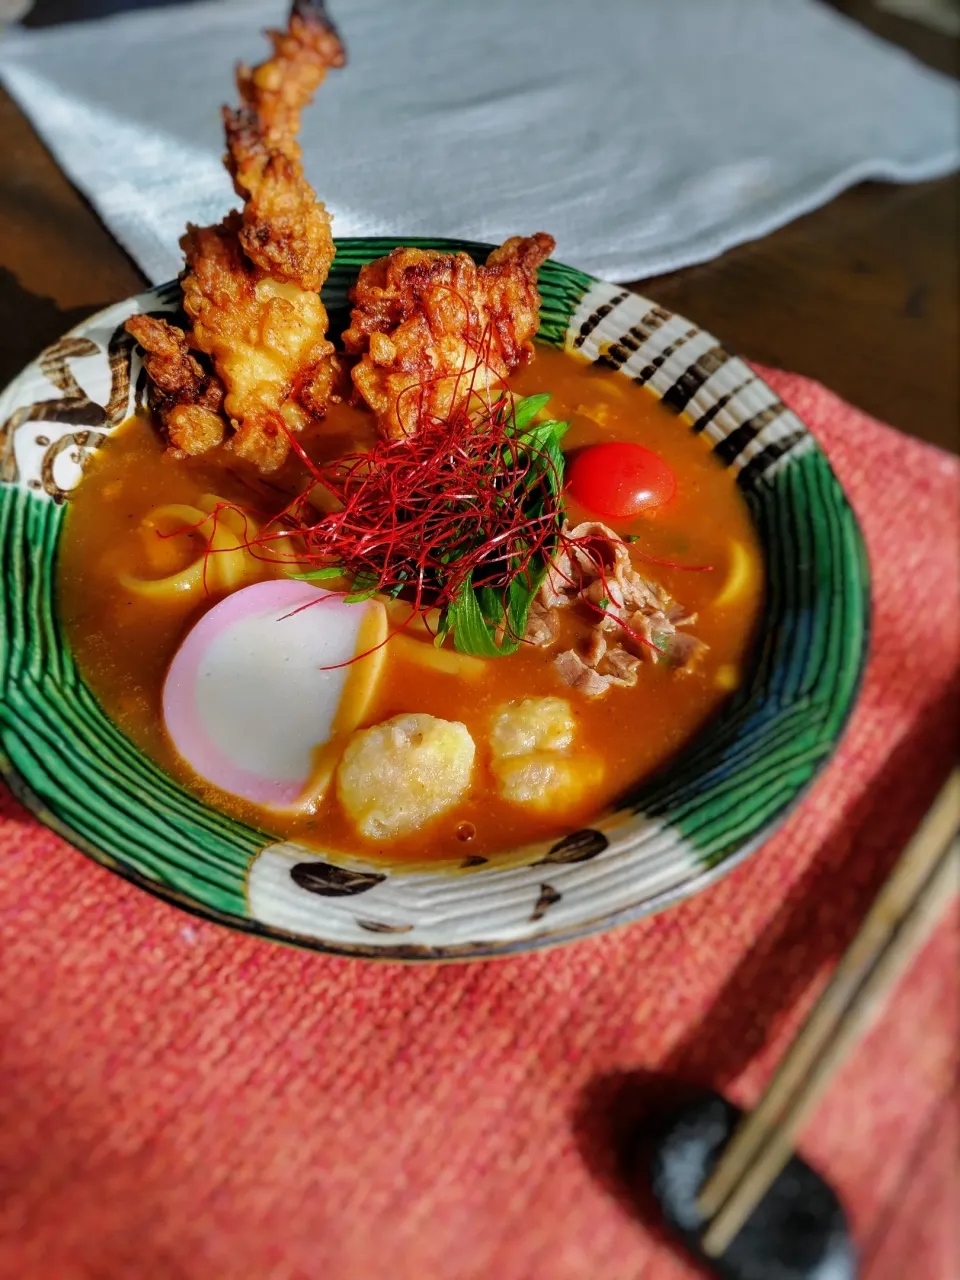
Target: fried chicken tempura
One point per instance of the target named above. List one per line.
(431, 328)
(251, 285)
(187, 397)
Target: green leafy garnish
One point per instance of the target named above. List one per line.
(489, 622)
(526, 409)
(317, 575)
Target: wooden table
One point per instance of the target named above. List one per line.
(861, 294)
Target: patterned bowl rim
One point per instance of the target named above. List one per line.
(579, 312)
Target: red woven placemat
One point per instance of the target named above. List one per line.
(180, 1101)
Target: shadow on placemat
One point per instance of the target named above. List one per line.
(810, 931)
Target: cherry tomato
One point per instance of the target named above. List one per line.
(620, 479)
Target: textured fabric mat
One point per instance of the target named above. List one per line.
(643, 136)
(178, 1101)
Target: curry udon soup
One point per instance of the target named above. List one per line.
(319, 709)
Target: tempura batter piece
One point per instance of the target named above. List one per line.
(188, 398)
(397, 776)
(432, 327)
(266, 337)
(286, 229)
(531, 757)
(251, 285)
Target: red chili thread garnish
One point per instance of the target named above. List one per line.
(673, 564)
(420, 516)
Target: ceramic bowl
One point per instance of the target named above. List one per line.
(674, 835)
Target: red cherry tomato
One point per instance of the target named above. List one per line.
(620, 480)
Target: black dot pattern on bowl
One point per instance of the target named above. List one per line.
(578, 847)
(548, 897)
(333, 882)
(377, 926)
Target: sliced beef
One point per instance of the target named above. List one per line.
(620, 669)
(542, 626)
(683, 652)
(637, 618)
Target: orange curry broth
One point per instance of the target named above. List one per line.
(123, 642)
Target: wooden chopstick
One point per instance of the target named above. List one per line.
(896, 926)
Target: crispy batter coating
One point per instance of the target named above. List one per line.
(251, 285)
(188, 398)
(431, 327)
(286, 229)
(266, 337)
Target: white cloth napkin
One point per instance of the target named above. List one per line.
(644, 136)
